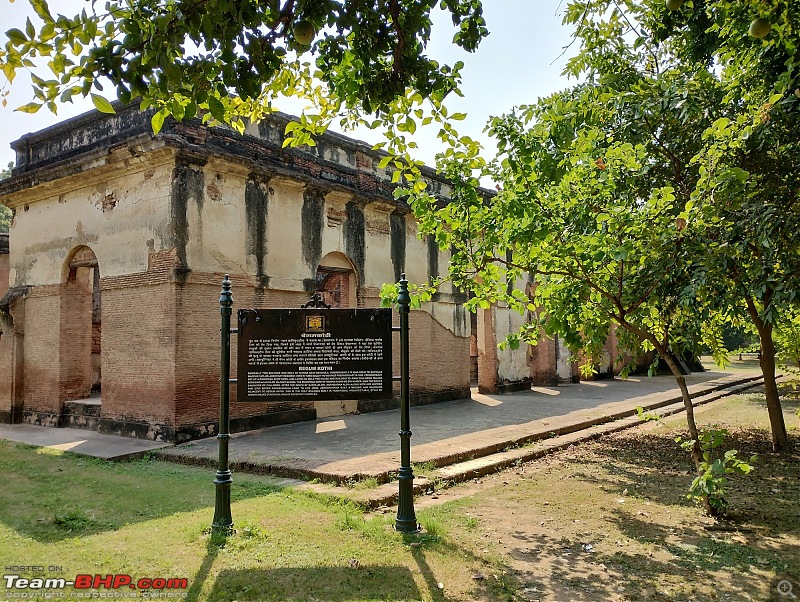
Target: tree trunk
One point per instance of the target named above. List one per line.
(663, 352)
(697, 453)
(780, 440)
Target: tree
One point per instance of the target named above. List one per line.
(749, 186)
(586, 210)
(753, 253)
(620, 197)
(5, 212)
(231, 61)
(741, 189)
(787, 339)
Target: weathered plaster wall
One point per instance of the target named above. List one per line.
(121, 216)
(215, 199)
(512, 364)
(566, 366)
(279, 228)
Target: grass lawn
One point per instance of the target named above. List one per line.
(150, 519)
(607, 520)
(744, 361)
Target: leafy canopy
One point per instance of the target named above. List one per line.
(231, 60)
(589, 215)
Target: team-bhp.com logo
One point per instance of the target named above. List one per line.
(17, 586)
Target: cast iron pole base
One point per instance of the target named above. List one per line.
(406, 521)
(223, 521)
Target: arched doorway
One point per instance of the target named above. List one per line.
(81, 327)
(336, 281)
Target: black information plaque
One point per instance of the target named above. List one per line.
(314, 354)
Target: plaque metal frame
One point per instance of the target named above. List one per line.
(406, 520)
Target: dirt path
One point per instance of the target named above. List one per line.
(610, 521)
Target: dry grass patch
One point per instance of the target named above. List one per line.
(610, 520)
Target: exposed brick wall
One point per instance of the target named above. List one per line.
(6, 339)
(11, 362)
(76, 336)
(542, 358)
(96, 338)
(197, 349)
(487, 351)
(6, 370)
(433, 350)
(197, 352)
(439, 360)
(138, 342)
(370, 297)
(619, 359)
(336, 288)
(160, 349)
(41, 353)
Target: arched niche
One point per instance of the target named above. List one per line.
(81, 325)
(336, 280)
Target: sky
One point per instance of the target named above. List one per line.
(520, 61)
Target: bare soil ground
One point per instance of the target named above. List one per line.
(610, 520)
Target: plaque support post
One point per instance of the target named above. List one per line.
(223, 522)
(406, 521)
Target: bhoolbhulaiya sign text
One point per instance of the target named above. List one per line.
(314, 354)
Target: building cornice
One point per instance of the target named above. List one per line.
(96, 142)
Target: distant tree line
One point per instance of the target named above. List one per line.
(5, 212)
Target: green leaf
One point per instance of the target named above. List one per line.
(41, 8)
(16, 36)
(102, 105)
(157, 121)
(31, 107)
(216, 108)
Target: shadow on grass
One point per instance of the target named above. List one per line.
(586, 568)
(483, 588)
(332, 584)
(51, 496)
(710, 550)
(744, 556)
(758, 541)
(212, 550)
(652, 466)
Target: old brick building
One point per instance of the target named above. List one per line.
(120, 240)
